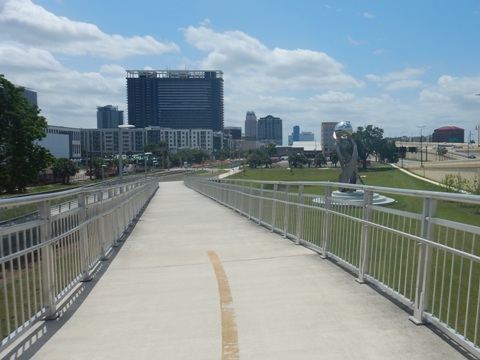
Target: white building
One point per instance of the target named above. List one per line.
(62, 142)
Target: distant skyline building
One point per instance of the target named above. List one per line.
(296, 133)
(300, 136)
(450, 134)
(326, 137)
(31, 96)
(176, 99)
(109, 117)
(251, 126)
(270, 129)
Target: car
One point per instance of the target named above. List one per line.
(472, 157)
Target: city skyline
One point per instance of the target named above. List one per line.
(394, 65)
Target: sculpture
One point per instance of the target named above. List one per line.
(347, 153)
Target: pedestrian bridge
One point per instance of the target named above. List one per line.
(188, 277)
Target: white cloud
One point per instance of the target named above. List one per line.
(368, 15)
(267, 70)
(406, 79)
(33, 26)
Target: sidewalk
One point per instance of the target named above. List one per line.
(196, 280)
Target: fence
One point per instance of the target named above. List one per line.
(426, 261)
(51, 242)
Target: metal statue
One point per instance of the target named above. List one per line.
(347, 153)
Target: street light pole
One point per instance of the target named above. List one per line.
(421, 144)
(120, 148)
(146, 154)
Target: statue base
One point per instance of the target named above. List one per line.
(354, 198)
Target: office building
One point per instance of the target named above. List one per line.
(296, 133)
(175, 99)
(101, 142)
(31, 96)
(251, 126)
(270, 130)
(62, 142)
(109, 117)
(326, 137)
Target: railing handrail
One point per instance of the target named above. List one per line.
(468, 198)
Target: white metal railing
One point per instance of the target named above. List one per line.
(429, 263)
(51, 242)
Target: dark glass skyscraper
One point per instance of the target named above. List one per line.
(175, 99)
(270, 128)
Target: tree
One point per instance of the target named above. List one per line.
(320, 160)
(21, 160)
(387, 151)
(334, 158)
(369, 142)
(64, 168)
(271, 149)
(258, 157)
(297, 160)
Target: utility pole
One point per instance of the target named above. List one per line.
(421, 144)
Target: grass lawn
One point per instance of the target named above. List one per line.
(380, 175)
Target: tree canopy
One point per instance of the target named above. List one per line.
(21, 160)
(370, 141)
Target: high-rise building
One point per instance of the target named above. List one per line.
(31, 96)
(296, 133)
(327, 140)
(109, 117)
(270, 129)
(251, 126)
(175, 99)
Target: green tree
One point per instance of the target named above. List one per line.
(320, 160)
(297, 160)
(271, 149)
(258, 157)
(387, 151)
(64, 168)
(21, 160)
(334, 158)
(369, 141)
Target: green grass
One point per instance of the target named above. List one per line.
(381, 175)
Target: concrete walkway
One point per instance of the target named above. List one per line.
(195, 280)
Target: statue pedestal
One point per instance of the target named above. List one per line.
(354, 198)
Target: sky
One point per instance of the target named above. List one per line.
(407, 67)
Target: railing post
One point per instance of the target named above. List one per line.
(299, 215)
(260, 205)
(242, 196)
(274, 206)
(326, 222)
(82, 213)
(250, 202)
(47, 261)
(365, 237)
(422, 289)
(286, 212)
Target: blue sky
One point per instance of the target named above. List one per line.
(393, 64)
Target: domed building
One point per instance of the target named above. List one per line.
(449, 134)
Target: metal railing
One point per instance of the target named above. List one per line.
(428, 263)
(51, 242)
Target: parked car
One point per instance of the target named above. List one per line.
(472, 157)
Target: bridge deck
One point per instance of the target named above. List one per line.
(195, 280)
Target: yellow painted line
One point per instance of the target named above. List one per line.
(230, 350)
